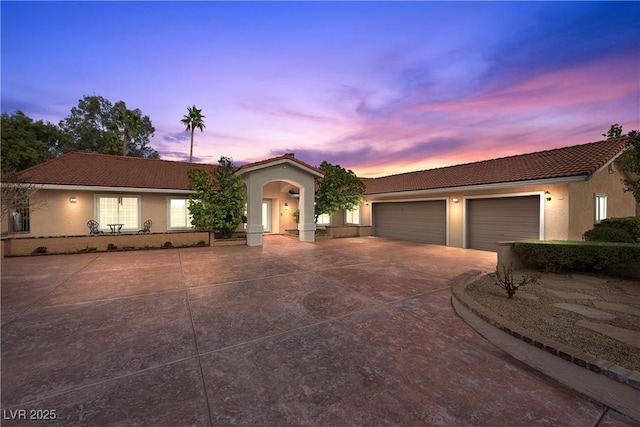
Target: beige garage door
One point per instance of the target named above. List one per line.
(508, 218)
(415, 221)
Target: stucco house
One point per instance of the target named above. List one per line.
(552, 194)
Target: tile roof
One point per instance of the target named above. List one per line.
(577, 160)
(102, 170)
(283, 157)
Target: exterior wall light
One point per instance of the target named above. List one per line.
(72, 199)
(547, 196)
(286, 206)
(366, 203)
(455, 200)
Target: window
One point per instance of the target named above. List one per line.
(353, 216)
(118, 210)
(179, 215)
(601, 207)
(19, 219)
(324, 219)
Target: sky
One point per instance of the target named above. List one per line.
(376, 87)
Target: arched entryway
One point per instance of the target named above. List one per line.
(286, 169)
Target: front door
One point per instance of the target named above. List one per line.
(266, 216)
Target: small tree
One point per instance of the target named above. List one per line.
(218, 200)
(338, 189)
(18, 194)
(629, 160)
(506, 281)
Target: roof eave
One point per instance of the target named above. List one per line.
(498, 185)
(606, 165)
(111, 189)
(244, 169)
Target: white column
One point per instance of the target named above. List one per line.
(307, 226)
(254, 212)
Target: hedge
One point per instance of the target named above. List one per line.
(625, 229)
(605, 257)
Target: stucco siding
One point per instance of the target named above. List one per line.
(582, 200)
(59, 217)
(555, 220)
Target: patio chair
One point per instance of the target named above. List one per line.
(147, 227)
(94, 227)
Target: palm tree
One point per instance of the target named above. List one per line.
(193, 120)
(128, 122)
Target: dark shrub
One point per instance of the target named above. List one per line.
(625, 229)
(607, 234)
(167, 245)
(111, 247)
(584, 256)
(40, 250)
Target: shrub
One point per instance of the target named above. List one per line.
(111, 247)
(626, 229)
(506, 281)
(40, 250)
(167, 245)
(586, 256)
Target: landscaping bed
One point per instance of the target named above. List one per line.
(532, 308)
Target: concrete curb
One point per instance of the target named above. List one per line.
(610, 384)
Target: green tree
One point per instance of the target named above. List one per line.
(193, 120)
(218, 199)
(629, 160)
(338, 189)
(26, 142)
(88, 125)
(614, 132)
(133, 128)
(99, 126)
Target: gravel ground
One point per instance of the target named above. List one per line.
(540, 316)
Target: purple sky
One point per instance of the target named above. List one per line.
(379, 88)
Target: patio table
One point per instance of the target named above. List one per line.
(115, 228)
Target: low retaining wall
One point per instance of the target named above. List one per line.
(507, 256)
(348, 231)
(18, 246)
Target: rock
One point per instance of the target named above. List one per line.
(572, 295)
(627, 336)
(586, 311)
(621, 308)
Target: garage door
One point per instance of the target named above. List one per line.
(508, 218)
(415, 221)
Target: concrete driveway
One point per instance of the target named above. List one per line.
(339, 332)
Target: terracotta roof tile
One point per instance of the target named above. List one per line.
(577, 160)
(275, 159)
(91, 169)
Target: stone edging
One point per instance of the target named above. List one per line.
(570, 354)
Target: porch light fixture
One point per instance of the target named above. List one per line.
(72, 199)
(547, 196)
(286, 205)
(366, 203)
(455, 200)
